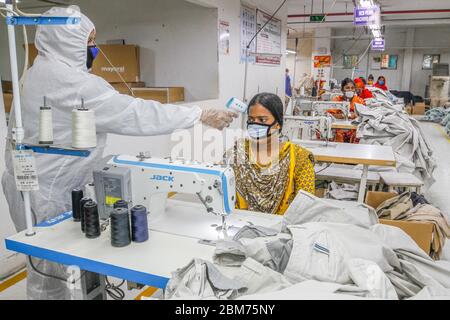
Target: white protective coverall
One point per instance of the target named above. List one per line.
(60, 74)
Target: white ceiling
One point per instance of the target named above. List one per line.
(301, 7)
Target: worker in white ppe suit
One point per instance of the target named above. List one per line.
(60, 73)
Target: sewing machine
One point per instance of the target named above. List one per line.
(320, 108)
(147, 181)
(306, 128)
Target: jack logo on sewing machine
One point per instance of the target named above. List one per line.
(162, 178)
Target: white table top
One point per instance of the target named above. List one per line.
(349, 153)
(149, 263)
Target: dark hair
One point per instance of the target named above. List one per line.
(381, 77)
(271, 102)
(363, 80)
(371, 76)
(347, 81)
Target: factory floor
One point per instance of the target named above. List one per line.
(14, 288)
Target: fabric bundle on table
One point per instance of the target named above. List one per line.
(382, 126)
(333, 256)
(413, 207)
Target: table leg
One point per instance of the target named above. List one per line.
(363, 184)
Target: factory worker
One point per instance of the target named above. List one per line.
(361, 89)
(269, 170)
(348, 88)
(381, 83)
(60, 73)
(349, 94)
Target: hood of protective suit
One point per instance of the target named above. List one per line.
(65, 43)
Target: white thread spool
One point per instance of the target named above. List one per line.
(84, 135)
(89, 191)
(45, 124)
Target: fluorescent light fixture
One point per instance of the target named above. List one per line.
(366, 3)
(290, 52)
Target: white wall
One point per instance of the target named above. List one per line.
(426, 40)
(303, 58)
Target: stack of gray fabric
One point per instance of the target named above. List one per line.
(436, 114)
(382, 126)
(322, 251)
(446, 123)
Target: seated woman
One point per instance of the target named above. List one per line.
(361, 89)
(348, 88)
(269, 171)
(381, 83)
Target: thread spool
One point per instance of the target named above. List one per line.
(83, 215)
(45, 124)
(92, 220)
(84, 135)
(89, 191)
(77, 195)
(120, 228)
(139, 224)
(120, 204)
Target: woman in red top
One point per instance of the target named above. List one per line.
(361, 90)
(381, 83)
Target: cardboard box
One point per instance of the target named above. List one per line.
(122, 88)
(163, 95)
(320, 193)
(418, 108)
(125, 58)
(420, 232)
(7, 99)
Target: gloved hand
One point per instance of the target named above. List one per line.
(218, 119)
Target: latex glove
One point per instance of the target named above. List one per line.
(218, 119)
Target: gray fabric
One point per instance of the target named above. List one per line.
(382, 126)
(252, 232)
(436, 114)
(342, 191)
(307, 208)
(202, 280)
(321, 251)
(428, 293)
(368, 276)
(260, 279)
(272, 252)
(229, 253)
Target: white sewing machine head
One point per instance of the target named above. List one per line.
(306, 128)
(148, 181)
(320, 107)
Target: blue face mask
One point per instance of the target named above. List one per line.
(92, 53)
(381, 82)
(258, 131)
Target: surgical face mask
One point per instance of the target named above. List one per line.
(92, 52)
(381, 82)
(349, 94)
(258, 131)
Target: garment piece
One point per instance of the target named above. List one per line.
(272, 252)
(428, 293)
(59, 73)
(252, 231)
(202, 280)
(391, 127)
(260, 279)
(368, 276)
(418, 199)
(428, 213)
(395, 207)
(436, 114)
(343, 191)
(308, 208)
(321, 251)
(229, 253)
(356, 100)
(311, 290)
(291, 172)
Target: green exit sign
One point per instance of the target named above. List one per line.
(317, 18)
